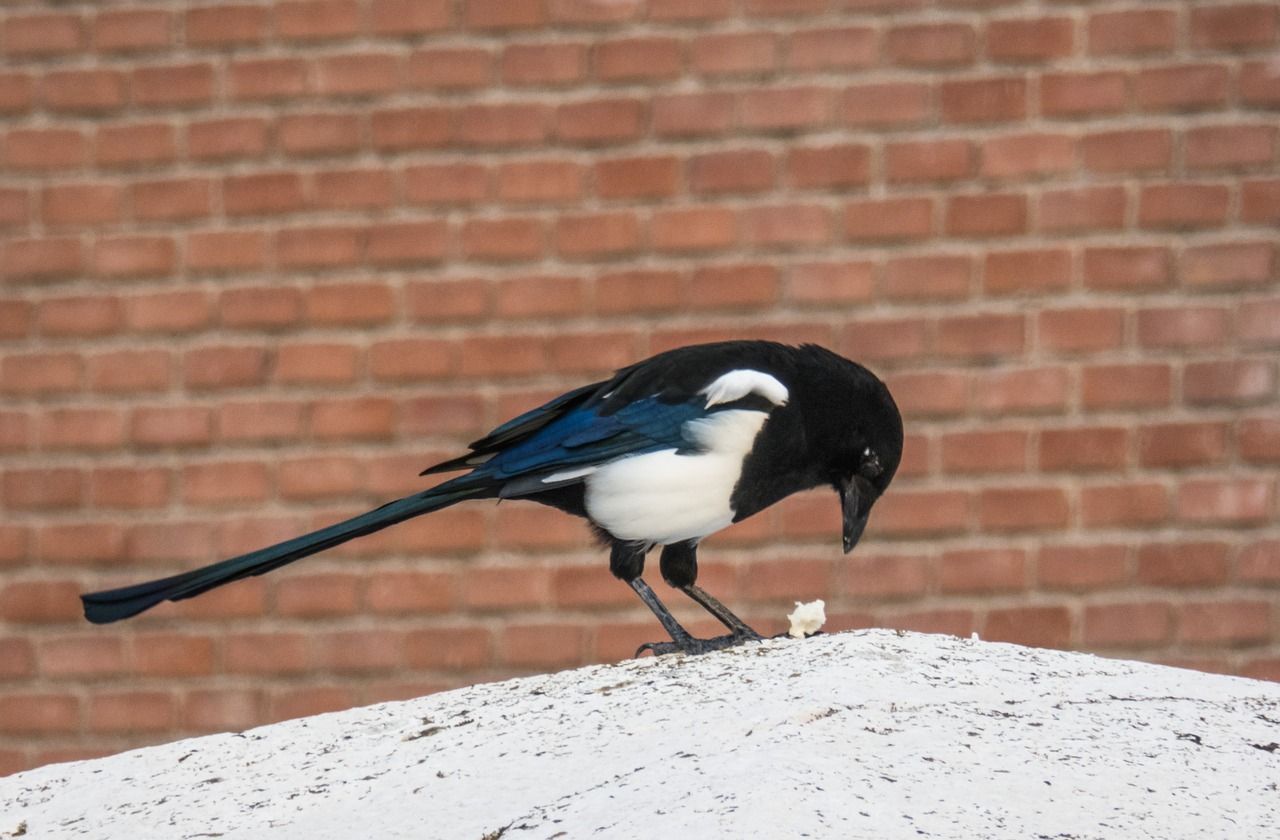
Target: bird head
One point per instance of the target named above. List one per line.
(858, 431)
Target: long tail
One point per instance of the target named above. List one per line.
(115, 604)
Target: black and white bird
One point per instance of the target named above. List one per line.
(665, 453)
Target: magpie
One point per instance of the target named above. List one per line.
(664, 453)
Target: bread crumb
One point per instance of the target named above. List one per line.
(807, 619)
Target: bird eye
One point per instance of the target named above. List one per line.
(870, 467)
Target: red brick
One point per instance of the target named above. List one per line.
(411, 359)
(917, 513)
(441, 301)
(628, 292)
(264, 193)
(928, 160)
(129, 371)
(316, 594)
(693, 229)
(827, 283)
(172, 655)
(27, 713)
(319, 247)
(221, 251)
(934, 277)
(931, 45)
(84, 91)
(1132, 32)
(786, 580)
(786, 109)
(136, 144)
(15, 207)
(226, 139)
(39, 602)
(44, 149)
(1259, 84)
(1128, 150)
(82, 543)
(1127, 625)
(1034, 390)
(539, 181)
(984, 452)
(319, 478)
(267, 79)
(1024, 155)
(832, 48)
(1082, 450)
(1183, 326)
(886, 104)
(428, 128)
(1030, 40)
(1260, 201)
(359, 75)
(986, 214)
(637, 177)
(1235, 26)
(1182, 444)
(505, 14)
(361, 418)
(731, 286)
(81, 429)
(1011, 509)
(1181, 88)
(1259, 562)
(175, 85)
(129, 488)
(224, 367)
(1122, 386)
(217, 26)
(1034, 626)
(689, 10)
(886, 339)
(1026, 272)
(40, 373)
(262, 420)
(543, 64)
(1083, 94)
(260, 307)
(172, 200)
(176, 426)
(134, 256)
(601, 121)
(1224, 622)
(318, 134)
(1235, 382)
(1083, 209)
(131, 30)
(693, 114)
(1082, 566)
(43, 34)
(983, 100)
(449, 68)
(314, 20)
(596, 235)
(1126, 268)
(1186, 564)
(981, 336)
(880, 577)
(790, 225)
(446, 184)
(1260, 439)
(733, 53)
(887, 219)
(83, 316)
(407, 243)
(829, 167)
(81, 656)
(409, 17)
(1182, 206)
(1230, 146)
(540, 297)
(633, 59)
(1134, 504)
(514, 124)
(225, 483)
(982, 570)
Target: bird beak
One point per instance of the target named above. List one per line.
(856, 498)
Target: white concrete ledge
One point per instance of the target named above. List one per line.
(858, 735)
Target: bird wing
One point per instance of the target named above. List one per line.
(643, 408)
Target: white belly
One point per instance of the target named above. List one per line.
(662, 498)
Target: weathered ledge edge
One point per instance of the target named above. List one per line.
(867, 734)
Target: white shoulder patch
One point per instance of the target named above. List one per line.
(736, 384)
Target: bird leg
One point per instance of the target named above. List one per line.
(680, 569)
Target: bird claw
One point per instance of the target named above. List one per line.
(694, 647)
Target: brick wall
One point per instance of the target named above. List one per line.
(262, 263)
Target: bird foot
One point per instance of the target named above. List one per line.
(691, 646)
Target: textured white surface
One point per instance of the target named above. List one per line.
(859, 735)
